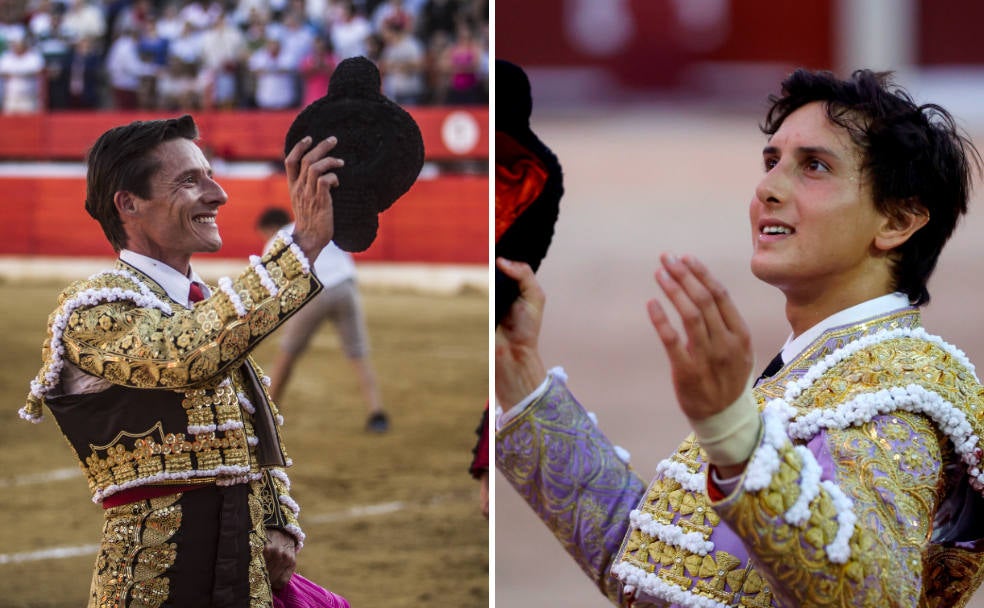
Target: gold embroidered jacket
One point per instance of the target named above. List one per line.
(187, 404)
(865, 489)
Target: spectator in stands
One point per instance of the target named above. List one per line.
(170, 24)
(245, 12)
(374, 47)
(194, 13)
(401, 65)
(39, 24)
(461, 65)
(437, 16)
(437, 85)
(85, 76)
(84, 19)
(334, 11)
(350, 32)
(338, 303)
(296, 37)
(125, 69)
(21, 69)
(275, 77)
(56, 50)
(187, 47)
(178, 87)
(223, 52)
(316, 69)
(392, 14)
(134, 16)
(152, 47)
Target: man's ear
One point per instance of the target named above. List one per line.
(125, 203)
(900, 224)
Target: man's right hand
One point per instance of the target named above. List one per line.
(310, 178)
(518, 367)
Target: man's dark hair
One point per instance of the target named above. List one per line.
(913, 157)
(273, 218)
(124, 158)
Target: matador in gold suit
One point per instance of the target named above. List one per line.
(173, 427)
(864, 488)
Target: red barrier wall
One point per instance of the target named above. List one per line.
(442, 220)
(449, 133)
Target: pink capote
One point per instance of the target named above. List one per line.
(302, 593)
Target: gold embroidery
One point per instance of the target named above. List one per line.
(144, 347)
(259, 580)
(890, 468)
(134, 554)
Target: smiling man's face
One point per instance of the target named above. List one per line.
(179, 218)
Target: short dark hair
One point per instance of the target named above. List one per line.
(913, 156)
(123, 159)
(273, 217)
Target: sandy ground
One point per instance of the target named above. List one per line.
(391, 520)
(640, 182)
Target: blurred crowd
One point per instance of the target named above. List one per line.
(234, 54)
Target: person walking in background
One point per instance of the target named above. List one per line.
(339, 303)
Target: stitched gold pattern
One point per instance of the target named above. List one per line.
(891, 468)
(259, 580)
(143, 347)
(134, 554)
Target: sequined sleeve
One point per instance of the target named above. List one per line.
(844, 521)
(279, 508)
(115, 328)
(572, 476)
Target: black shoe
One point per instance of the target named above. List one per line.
(378, 423)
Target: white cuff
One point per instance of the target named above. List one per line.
(502, 418)
(730, 436)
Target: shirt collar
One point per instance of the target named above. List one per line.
(173, 282)
(865, 310)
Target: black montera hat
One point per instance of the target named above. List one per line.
(528, 225)
(378, 140)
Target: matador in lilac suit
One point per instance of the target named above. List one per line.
(849, 473)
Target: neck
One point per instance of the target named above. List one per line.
(181, 263)
(804, 314)
(805, 308)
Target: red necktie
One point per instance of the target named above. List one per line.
(195, 293)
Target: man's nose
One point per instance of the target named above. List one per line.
(215, 193)
(772, 187)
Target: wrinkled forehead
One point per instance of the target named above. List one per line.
(179, 155)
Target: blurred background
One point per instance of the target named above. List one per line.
(653, 107)
(70, 69)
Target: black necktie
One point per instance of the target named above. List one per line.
(770, 370)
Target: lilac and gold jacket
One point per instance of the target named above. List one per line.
(864, 489)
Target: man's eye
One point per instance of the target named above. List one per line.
(770, 163)
(815, 164)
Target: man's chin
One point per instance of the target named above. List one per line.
(211, 246)
(766, 272)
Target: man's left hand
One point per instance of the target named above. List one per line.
(280, 553)
(711, 367)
